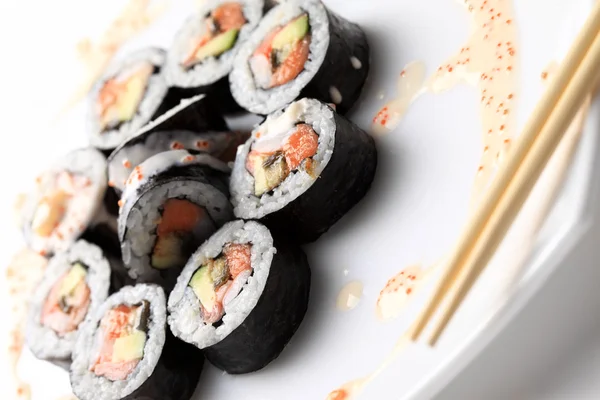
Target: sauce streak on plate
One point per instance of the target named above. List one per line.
(22, 276)
(488, 62)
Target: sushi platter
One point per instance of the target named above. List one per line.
(254, 199)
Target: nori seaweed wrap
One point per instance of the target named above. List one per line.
(75, 282)
(241, 297)
(302, 170)
(126, 351)
(202, 53)
(300, 49)
(173, 201)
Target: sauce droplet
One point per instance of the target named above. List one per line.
(349, 296)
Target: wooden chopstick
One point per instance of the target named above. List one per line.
(534, 125)
(522, 184)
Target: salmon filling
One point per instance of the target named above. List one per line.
(68, 301)
(220, 279)
(52, 208)
(281, 56)
(120, 341)
(181, 223)
(270, 169)
(120, 97)
(222, 27)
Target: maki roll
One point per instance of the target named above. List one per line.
(302, 170)
(202, 54)
(74, 284)
(300, 49)
(125, 351)
(127, 156)
(172, 203)
(126, 98)
(66, 202)
(241, 297)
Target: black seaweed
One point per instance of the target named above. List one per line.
(218, 95)
(271, 324)
(106, 238)
(199, 116)
(343, 183)
(346, 40)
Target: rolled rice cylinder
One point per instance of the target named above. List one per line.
(125, 351)
(203, 51)
(133, 152)
(173, 201)
(66, 201)
(127, 97)
(300, 49)
(241, 297)
(74, 284)
(302, 170)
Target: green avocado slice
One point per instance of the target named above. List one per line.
(203, 286)
(294, 31)
(217, 45)
(130, 347)
(76, 274)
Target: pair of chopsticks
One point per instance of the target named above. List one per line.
(511, 187)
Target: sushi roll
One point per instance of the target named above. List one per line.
(241, 297)
(67, 201)
(133, 152)
(302, 170)
(126, 98)
(74, 284)
(172, 203)
(203, 51)
(125, 351)
(300, 49)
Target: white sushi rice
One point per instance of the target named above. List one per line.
(44, 342)
(242, 81)
(134, 153)
(248, 206)
(82, 207)
(139, 216)
(154, 94)
(213, 68)
(86, 384)
(185, 317)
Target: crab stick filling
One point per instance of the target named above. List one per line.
(51, 215)
(220, 279)
(285, 152)
(120, 96)
(281, 56)
(181, 224)
(222, 27)
(68, 301)
(120, 341)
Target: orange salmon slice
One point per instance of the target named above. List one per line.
(301, 145)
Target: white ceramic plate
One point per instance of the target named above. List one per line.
(413, 214)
